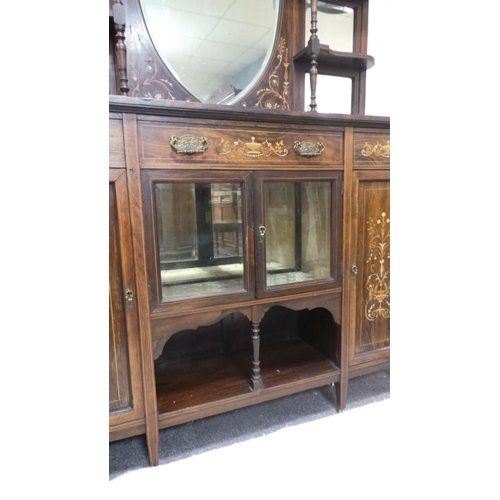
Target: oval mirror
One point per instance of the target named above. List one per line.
(217, 49)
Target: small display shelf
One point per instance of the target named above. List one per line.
(198, 387)
(329, 60)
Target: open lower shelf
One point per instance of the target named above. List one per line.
(199, 387)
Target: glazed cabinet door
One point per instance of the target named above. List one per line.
(199, 226)
(125, 396)
(298, 232)
(369, 268)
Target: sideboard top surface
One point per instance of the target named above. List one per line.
(159, 107)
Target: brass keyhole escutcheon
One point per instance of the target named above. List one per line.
(129, 297)
(262, 233)
(354, 269)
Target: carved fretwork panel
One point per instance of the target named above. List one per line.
(163, 328)
(373, 263)
(330, 302)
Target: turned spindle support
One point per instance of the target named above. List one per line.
(314, 47)
(257, 383)
(121, 49)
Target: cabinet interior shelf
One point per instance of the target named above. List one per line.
(328, 60)
(189, 388)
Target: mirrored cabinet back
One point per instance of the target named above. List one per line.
(249, 216)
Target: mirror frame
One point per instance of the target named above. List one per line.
(275, 51)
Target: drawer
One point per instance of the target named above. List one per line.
(164, 145)
(371, 150)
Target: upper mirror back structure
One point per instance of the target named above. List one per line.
(336, 25)
(217, 49)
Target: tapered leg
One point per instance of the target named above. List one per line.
(341, 392)
(152, 442)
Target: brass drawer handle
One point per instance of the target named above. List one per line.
(189, 144)
(308, 148)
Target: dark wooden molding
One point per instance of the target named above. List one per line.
(141, 106)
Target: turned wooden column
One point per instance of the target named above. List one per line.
(121, 49)
(314, 47)
(256, 378)
(257, 314)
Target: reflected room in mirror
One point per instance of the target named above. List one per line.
(298, 232)
(216, 49)
(335, 25)
(200, 238)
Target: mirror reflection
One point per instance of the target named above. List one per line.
(200, 238)
(298, 231)
(217, 49)
(335, 26)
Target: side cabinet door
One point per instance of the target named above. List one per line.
(125, 396)
(369, 267)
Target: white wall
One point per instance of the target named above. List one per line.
(378, 78)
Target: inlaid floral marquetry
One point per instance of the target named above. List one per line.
(162, 144)
(149, 77)
(252, 149)
(377, 149)
(275, 95)
(372, 150)
(377, 303)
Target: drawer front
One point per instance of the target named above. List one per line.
(371, 150)
(164, 145)
(116, 144)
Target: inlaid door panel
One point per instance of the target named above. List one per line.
(370, 266)
(125, 398)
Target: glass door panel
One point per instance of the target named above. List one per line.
(200, 238)
(336, 24)
(226, 220)
(297, 231)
